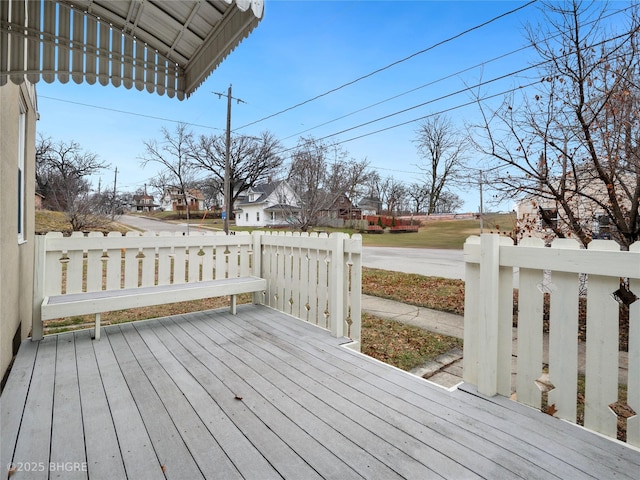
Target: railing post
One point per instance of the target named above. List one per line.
(633, 383)
(38, 287)
(488, 310)
(353, 289)
(336, 291)
(471, 293)
(256, 263)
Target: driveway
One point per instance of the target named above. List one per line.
(423, 261)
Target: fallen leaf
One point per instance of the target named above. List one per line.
(164, 468)
(551, 410)
(238, 397)
(12, 470)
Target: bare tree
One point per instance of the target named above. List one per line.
(396, 196)
(319, 174)
(307, 176)
(442, 150)
(419, 195)
(62, 169)
(252, 160)
(572, 145)
(172, 154)
(347, 175)
(448, 202)
(212, 190)
(391, 193)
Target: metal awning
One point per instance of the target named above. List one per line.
(164, 46)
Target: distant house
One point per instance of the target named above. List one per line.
(143, 203)
(539, 217)
(269, 204)
(342, 208)
(173, 200)
(370, 206)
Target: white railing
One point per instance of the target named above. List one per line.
(565, 272)
(316, 278)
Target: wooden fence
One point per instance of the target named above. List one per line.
(566, 279)
(316, 278)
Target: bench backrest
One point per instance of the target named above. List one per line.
(96, 262)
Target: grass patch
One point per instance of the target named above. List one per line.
(49, 221)
(436, 293)
(403, 346)
(446, 234)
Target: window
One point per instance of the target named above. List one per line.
(22, 126)
(257, 216)
(246, 217)
(549, 217)
(273, 216)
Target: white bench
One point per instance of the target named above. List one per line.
(110, 273)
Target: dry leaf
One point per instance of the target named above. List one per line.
(238, 397)
(164, 468)
(551, 410)
(12, 470)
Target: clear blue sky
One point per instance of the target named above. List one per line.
(302, 49)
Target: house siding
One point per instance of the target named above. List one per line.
(16, 258)
(254, 210)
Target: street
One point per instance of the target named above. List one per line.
(423, 261)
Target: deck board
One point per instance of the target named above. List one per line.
(66, 444)
(167, 443)
(103, 458)
(542, 438)
(262, 395)
(139, 458)
(404, 454)
(34, 440)
(14, 397)
(424, 422)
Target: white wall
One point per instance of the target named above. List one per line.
(16, 258)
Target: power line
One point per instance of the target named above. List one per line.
(125, 112)
(433, 82)
(451, 94)
(520, 87)
(441, 79)
(393, 64)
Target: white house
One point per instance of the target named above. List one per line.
(172, 200)
(269, 204)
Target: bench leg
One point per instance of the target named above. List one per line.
(96, 332)
(233, 304)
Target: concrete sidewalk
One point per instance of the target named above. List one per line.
(446, 370)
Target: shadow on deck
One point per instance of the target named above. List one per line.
(263, 395)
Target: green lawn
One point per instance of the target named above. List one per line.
(448, 234)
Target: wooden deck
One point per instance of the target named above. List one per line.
(262, 395)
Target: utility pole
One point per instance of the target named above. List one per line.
(227, 166)
(227, 161)
(113, 199)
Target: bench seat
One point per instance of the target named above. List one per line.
(58, 306)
